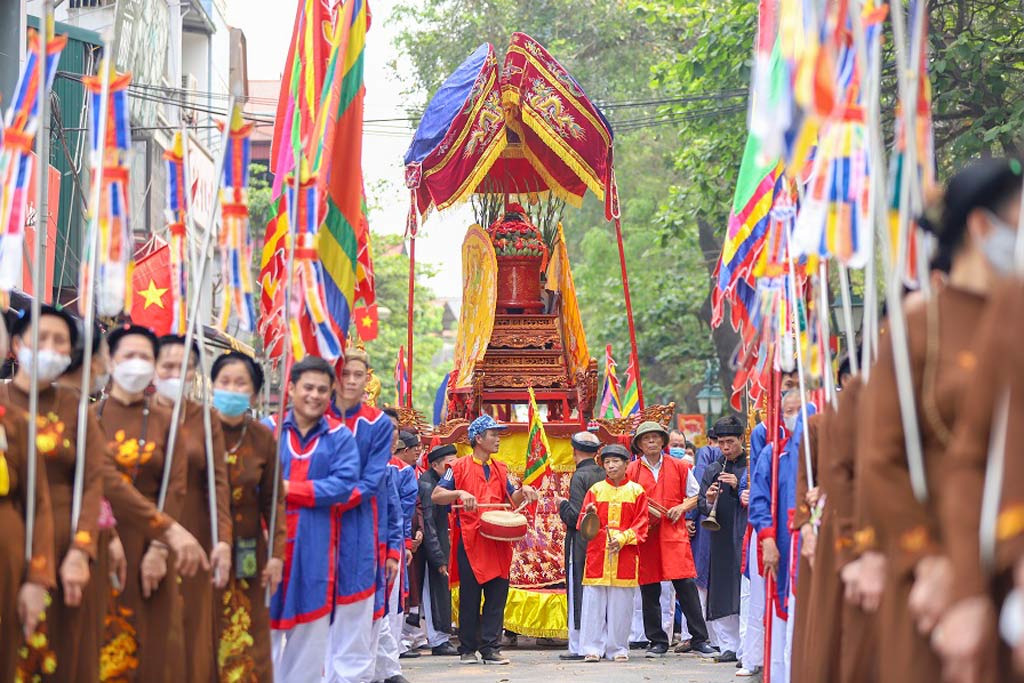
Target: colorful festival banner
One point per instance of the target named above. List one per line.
(273, 264)
(610, 405)
(537, 448)
(564, 136)
(17, 162)
(460, 136)
(479, 297)
(344, 232)
(559, 279)
(234, 243)
(301, 86)
(110, 142)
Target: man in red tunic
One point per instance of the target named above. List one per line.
(665, 555)
(480, 566)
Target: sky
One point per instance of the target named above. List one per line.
(267, 25)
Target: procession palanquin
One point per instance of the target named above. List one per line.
(526, 133)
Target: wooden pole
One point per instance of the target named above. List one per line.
(408, 330)
(42, 180)
(87, 295)
(193, 313)
(629, 312)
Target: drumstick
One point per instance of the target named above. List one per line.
(484, 505)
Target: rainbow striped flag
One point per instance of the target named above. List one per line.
(610, 394)
(537, 448)
(302, 83)
(631, 399)
(338, 164)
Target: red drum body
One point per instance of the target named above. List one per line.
(503, 525)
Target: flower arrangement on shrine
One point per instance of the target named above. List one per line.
(514, 235)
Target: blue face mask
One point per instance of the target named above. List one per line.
(230, 403)
(677, 452)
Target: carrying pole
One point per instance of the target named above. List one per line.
(629, 312)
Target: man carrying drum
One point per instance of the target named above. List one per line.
(480, 565)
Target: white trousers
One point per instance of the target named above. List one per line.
(435, 638)
(668, 608)
(753, 618)
(780, 667)
(413, 636)
(702, 594)
(604, 626)
(636, 629)
(388, 649)
(298, 652)
(571, 598)
(352, 644)
(726, 632)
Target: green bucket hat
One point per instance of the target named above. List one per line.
(647, 428)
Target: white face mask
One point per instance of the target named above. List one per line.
(999, 245)
(789, 421)
(133, 375)
(51, 364)
(169, 388)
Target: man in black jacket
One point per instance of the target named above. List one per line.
(588, 473)
(437, 595)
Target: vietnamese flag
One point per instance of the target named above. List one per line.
(151, 291)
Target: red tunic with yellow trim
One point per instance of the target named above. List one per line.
(666, 554)
(622, 509)
(489, 559)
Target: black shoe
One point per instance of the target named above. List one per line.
(638, 645)
(570, 657)
(468, 658)
(739, 664)
(727, 656)
(703, 649)
(397, 679)
(444, 650)
(409, 654)
(495, 657)
(656, 650)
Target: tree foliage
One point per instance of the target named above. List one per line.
(391, 268)
(677, 179)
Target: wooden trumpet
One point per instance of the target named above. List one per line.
(711, 523)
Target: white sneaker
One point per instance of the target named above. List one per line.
(746, 673)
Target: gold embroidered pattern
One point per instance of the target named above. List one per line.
(234, 650)
(119, 655)
(915, 540)
(35, 658)
(1010, 522)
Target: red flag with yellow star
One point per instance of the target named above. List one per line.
(151, 291)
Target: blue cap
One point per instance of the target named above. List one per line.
(482, 424)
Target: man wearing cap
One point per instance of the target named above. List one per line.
(366, 551)
(437, 596)
(665, 555)
(612, 564)
(722, 481)
(588, 473)
(481, 565)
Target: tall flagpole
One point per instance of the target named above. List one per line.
(193, 313)
(87, 293)
(795, 318)
(42, 180)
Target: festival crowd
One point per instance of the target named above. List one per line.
(330, 552)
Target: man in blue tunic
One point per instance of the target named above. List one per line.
(319, 465)
(773, 533)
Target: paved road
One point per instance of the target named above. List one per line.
(543, 666)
